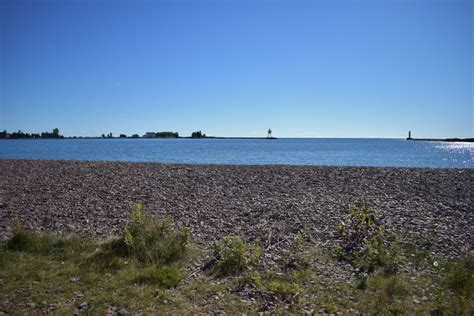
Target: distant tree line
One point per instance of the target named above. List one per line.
(167, 135)
(55, 134)
(198, 134)
(148, 135)
(109, 135)
(20, 134)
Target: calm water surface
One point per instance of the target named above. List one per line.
(321, 151)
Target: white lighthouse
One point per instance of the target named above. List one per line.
(269, 134)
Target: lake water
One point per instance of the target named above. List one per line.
(319, 151)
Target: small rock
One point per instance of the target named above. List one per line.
(73, 279)
(123, 312)
(31, 305)
(83, 305)
(416, 301)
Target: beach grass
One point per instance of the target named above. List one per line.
(52, 274)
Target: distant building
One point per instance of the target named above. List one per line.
(149, 135)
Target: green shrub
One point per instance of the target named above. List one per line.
(154, 242)
(166, 276)
(299, 257)
(340, 253)
(420, 257)
(362, 279)
(233, 255)
(285, 290)
(364, 241)
(376, 253)
(459, 276)
(360, 225)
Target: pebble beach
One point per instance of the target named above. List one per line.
(264, 204)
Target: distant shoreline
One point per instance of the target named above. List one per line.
(186, 137)
(466, 140)
(270, 138)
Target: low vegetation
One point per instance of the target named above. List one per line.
(233, 255)
(152, 241)
(164, 276)
(366, 243)
(458, 280)
(153, 268)
(44, 244)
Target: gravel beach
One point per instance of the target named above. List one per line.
(268, 204)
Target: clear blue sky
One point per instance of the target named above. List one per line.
(236, 68)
